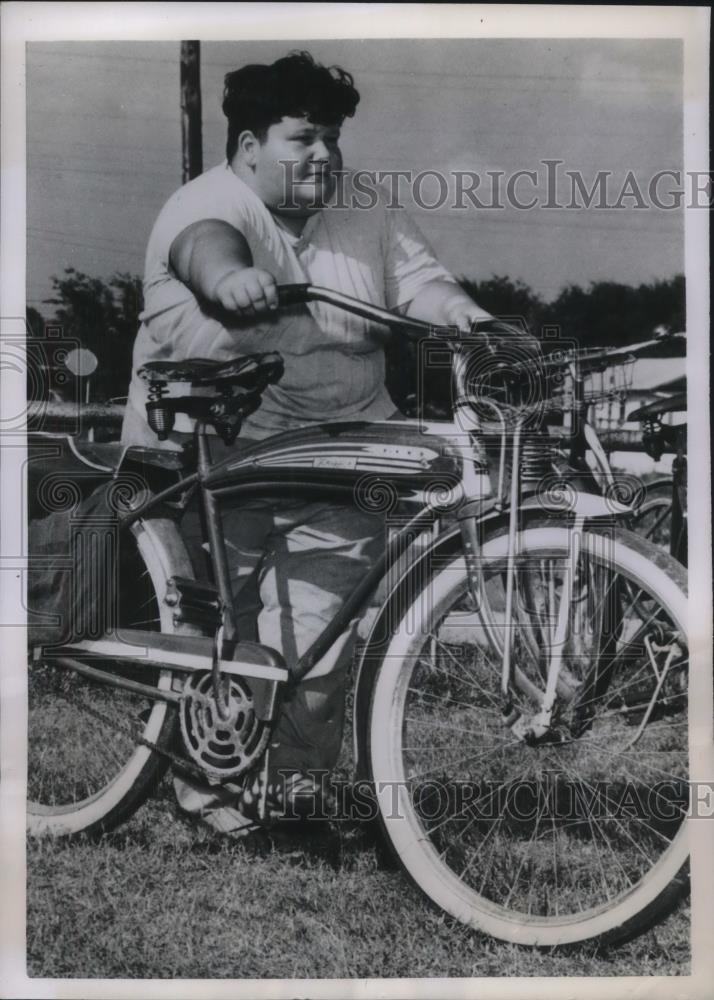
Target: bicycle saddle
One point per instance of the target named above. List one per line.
(239, 384)
(251, 371)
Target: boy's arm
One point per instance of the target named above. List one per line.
(417, 284)
(214, 260)
(444, 303)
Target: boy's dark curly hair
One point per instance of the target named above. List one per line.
(257, 96)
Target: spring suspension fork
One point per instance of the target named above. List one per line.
(538, 726)
(466, 414)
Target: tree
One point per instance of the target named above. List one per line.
(104, 317)
(35, 322)
(611, 313)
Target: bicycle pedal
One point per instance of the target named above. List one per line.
(194, 602)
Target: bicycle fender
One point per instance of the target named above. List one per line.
(664, 482)
(173, 554)
(371, 651)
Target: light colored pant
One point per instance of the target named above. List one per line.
(292, 563)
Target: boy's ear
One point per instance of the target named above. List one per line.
(248, 146)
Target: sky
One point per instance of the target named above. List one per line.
(104, 147)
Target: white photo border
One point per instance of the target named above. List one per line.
(26, 22)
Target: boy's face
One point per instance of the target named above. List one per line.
(294, 168)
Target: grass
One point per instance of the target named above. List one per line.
(163, 899)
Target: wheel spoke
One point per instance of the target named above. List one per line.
(543, 830)
(87, 758)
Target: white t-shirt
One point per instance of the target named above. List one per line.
(334, 361)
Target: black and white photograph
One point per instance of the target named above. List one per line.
(355, 569)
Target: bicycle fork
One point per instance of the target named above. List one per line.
(534, 728)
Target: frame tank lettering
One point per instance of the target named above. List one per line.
(407, 453)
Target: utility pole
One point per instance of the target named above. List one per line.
(191, 142)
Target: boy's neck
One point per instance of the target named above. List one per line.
(293, 223)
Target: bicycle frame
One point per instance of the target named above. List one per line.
(502, 639)
(423, 464)
(280, 467)
(583, 435)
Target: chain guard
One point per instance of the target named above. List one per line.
(222, 749)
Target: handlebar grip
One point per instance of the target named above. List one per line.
(293, 295)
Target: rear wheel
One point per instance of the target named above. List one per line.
(577, 834)
(90, 760)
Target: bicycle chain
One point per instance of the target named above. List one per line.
(182, 762)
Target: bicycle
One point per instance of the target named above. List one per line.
(663, 516)
(592, 377)
(533, 648)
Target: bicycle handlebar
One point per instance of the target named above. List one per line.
(598, 355)
(594, 358)
(299, 294)
(290, 295)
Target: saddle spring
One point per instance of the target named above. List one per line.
(536, 459)
(157, 389)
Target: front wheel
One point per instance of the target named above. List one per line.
(91, 761)
(582, 832)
